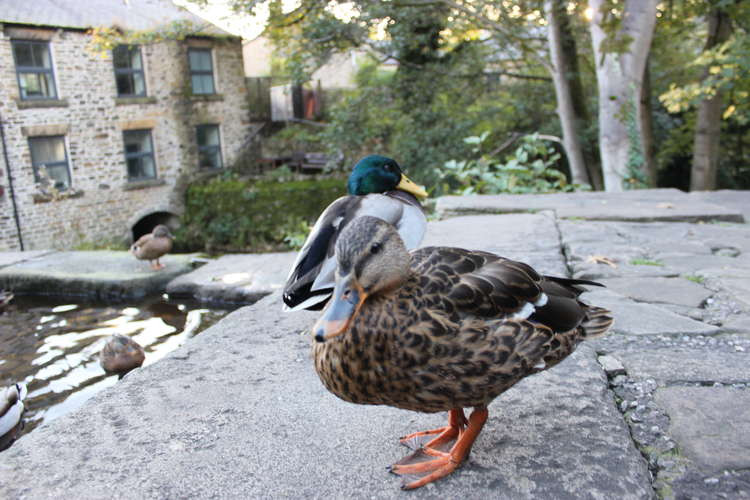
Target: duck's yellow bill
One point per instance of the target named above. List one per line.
(340, 311)
(409, 186)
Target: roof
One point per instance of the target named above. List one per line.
(134, 15)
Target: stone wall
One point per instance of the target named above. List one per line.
(104, 205)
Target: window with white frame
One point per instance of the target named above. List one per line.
(36, 79)
(50, 161)
(209, 146)
(201, 71)
(129, 74)
(139, 155)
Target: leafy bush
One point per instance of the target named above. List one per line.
(224, 215)
(530, 169)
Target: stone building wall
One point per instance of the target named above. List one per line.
(105, 205)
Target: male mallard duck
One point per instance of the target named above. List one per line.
(121, 354)
(11, 414)
(441, 329)
(377, 187)
(153, 245)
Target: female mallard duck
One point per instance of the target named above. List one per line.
(152, 246)
(121, 354)
(441, 329)
(11, 414)
(377, 187)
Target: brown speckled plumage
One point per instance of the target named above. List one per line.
(442, 329)
(154, 245)
(444, 338)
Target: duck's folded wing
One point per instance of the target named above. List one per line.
(315, 259)
(487, 285)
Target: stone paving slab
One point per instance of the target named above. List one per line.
(632, 318)
(241, 278)
(736, 199)
(531, 238)
(656, 290)
(10, 258)
(106, 275)
(238, 412)
(710, 424)
(638, 205)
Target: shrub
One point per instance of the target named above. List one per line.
(229, 215)
(529, 169)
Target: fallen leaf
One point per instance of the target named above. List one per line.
(601, 259)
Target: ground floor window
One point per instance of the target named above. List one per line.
(139, 155)
(50, 161)
(209, 146)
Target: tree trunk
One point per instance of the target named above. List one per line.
(708, 120)
(561, 76)
(647, 128)
(619, 76)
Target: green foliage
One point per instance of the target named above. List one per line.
(239, 215)
(294, 137)
(529, 169)
(695, 278)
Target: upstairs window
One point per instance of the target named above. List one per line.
(139, 155)
(201, 71)
(209, 146)
(129, 71)
(34, 69)
(50, 161)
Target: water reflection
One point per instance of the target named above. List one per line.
(53, 345)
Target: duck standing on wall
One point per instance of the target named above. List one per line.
(121, 354)
(441, 329)
(377, 187)
(11, 414)
(152, 246)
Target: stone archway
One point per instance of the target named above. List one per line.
(148, 222)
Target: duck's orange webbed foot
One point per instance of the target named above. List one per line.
(442, 463)
(456, 424)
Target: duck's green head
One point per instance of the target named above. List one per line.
(378, 174)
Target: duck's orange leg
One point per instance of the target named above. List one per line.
(456, 424)
(445, 463)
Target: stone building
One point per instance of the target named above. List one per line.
(99, 147)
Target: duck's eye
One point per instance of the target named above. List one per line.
(375, 248)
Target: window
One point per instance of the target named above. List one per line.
(34, 69)
(209, 146)
(50, 161)
(201, 71)
(129, 71)
(139, 155)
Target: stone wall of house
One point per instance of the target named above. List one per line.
(104, 205)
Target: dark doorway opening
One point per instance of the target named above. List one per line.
(146, 224)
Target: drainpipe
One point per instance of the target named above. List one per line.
(10, 184)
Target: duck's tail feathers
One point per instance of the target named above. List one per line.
(598, 321)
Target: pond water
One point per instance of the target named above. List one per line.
(53, 344)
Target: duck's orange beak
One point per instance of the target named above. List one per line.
(410, 186)
(347, 298)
